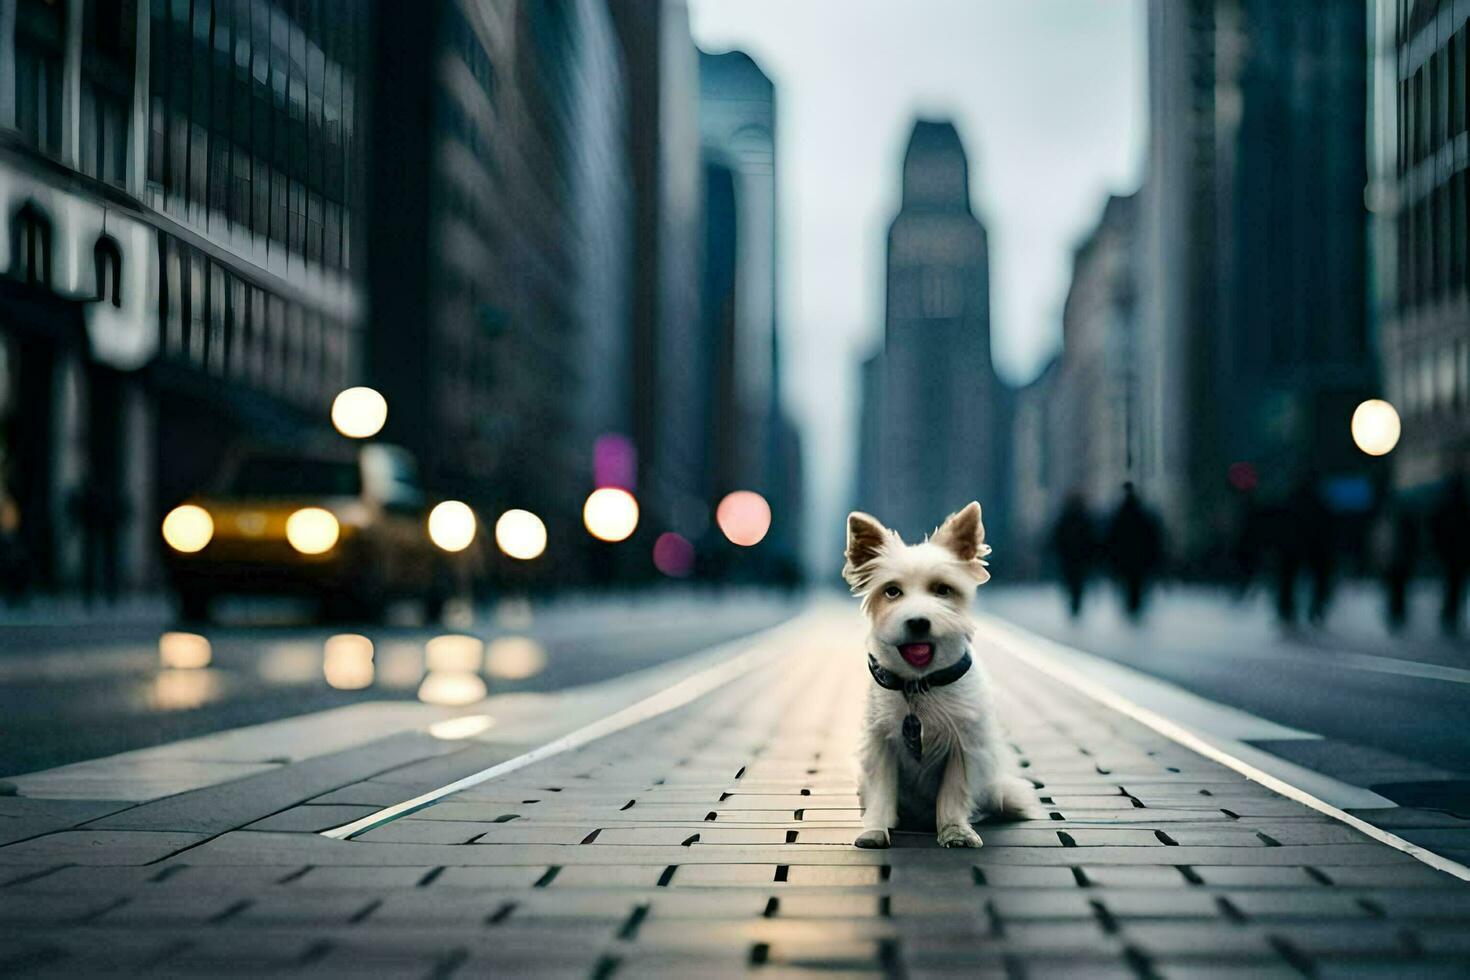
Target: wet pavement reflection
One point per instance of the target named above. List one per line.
(84, 691)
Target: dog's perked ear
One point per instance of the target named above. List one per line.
(866, 538)
(964, 534)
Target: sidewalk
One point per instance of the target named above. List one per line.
(716, 838)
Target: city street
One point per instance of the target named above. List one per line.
(108, 684)
(706, 829)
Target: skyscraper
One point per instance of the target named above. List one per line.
(1105, 414)
(499, 281)
(664, 145)
(750, 444)
(1422, 236)
(737, 118)
(1254, 224)
(941, 423)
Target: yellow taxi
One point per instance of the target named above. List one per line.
(347, 526)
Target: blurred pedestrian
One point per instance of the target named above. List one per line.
(1306, 542)
(1074, 543)
(1288, 547)
(1251, 540)
(1398, 570)
(1449, 532)
(15, 566)
(1134, 543)
(100, 512)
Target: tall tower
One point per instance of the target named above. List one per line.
(939, 423)
(1254, 234)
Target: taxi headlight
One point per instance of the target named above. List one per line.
(312, 530)
(452, 525)
(188, 528)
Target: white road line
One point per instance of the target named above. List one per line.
(1405, 668)
(1032, 655)
(763, 649)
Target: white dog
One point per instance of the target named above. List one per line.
(931, 745)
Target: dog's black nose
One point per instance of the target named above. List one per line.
(918, 626)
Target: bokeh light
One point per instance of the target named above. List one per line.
(1243, 476)
(520, 534)
(188, 528)
(610, 514)
(1376, 427)
(614, 461)
(184, 690)
(673, 555)
(400, 663)
(359, 413)
(454, 652)
(312, 530)
(744, 517)
(184, 651)
(452, 525)
(451, 688)
(514, 658)
(347, 663)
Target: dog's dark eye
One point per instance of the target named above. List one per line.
(943, 591)
(893, 592)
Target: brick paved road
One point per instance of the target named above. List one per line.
(715, 839)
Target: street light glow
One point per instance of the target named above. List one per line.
(514, 658)
(1376, 427)
(611, 514)
(312, 530)
(452, 525)
(455, 653)
(452, 689)
(359, 413)
(184, 651)
(347, 661)
(520, 534)
(188, 528)
(744, 517)
(465, 726)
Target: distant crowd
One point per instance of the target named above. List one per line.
(1294, 547)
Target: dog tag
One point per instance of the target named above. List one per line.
(913, 736)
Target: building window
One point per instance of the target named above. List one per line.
(30, 247)
(1455, 67)
(107, 261)
(40, 31)
(1457, 232)
(107, 88)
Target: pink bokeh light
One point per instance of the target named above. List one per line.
(673, 555)
(615, 461)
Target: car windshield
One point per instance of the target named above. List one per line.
(286, 476)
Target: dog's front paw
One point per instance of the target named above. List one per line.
(872, 838)
(959, 835)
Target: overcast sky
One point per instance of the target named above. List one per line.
(1049, 98)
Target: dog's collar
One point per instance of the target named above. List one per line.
(918, 685)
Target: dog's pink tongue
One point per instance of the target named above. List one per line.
(917, 654)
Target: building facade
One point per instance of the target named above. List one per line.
(749, 443)
(1036, 489)
(1422, 304)
(499, 287)
(1255, 227)
(942, 428)
(662, 66)
(1106, 416)
(179, 204)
